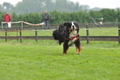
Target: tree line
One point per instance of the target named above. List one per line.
(27, 6)
(56, 17)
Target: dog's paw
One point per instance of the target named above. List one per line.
(78, 53)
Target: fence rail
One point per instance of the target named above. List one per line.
(22, 24)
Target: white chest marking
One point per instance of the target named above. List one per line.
(72, 34)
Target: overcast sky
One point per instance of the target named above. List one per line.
(100, 3)
(91, 3)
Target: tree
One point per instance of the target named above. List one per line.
(77, 5)
(14, 17)
(56, 17)
(118, 14)
(27, 6)
(1, 16)
(109, 15)
(7, 6)
(96, 9)
(1, 8)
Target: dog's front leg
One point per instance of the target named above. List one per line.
(78, 49)
(65, 47)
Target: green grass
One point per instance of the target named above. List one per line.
(43, 60)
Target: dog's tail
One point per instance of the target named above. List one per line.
(55, 35)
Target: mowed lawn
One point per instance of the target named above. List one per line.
(43, 60)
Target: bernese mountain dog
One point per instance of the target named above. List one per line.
(68, 34)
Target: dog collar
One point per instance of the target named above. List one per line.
(72, 37)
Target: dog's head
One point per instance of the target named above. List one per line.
(72, 26)
(64, 31)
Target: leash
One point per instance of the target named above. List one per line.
(72, 37)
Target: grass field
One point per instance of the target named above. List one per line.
(43, 60)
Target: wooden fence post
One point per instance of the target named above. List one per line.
(36, 35)
(6, 35)
(20, 35)
(87, 34)
(21, 24)
(17, 33)
(119, 33)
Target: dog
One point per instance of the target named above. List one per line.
(68, 34)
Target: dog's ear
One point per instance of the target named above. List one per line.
(67, 24)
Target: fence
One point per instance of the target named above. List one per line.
(86, 38)
(21, 24)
